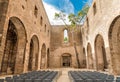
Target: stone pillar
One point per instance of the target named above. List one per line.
(3, 12)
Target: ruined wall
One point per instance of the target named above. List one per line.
(99, 20)
(3, 9)
(32, 17)
(59, 47)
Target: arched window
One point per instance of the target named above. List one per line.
(45, 27)
(41, 20)
(36, 11)
(66, 38)
(94, 9)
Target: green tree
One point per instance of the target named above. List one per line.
(75, 22)
(65, 39)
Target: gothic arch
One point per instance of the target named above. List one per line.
(43, 57)
(100, 53)
(33, 55)
(14, 52)
(84, 61)
(48, 56)
(66, 35)
(114, 44)
(89, 57)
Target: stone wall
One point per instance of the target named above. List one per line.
(100, 19)
(3, 8)
(59, 47)
(28, 15)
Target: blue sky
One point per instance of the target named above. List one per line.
(68, 6)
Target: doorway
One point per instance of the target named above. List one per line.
(14, 50)
(66, 61)
(33, 55)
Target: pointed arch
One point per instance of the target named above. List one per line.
(89, 57)
(114, 44)
(84, 56)
(66, 37)
(100, 53)
(34, 52)
(48, 56)
(15, 45)
(43, 57)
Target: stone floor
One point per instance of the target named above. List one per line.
(64, 76)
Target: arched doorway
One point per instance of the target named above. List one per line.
(101, 60)
(84, 59)
(66, 60)
(48, 56)
(43, 57)
(33, 55)
(14, 52)
(89, 57)
(114, 41)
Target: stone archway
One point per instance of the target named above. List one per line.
(84, 61)
(101, 60)
(48, 56)
(66, 60)
(14, 52)
(114, 41)
(89, 57)
(43, 57)
(33, 55)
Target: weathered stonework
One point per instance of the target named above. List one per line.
(103, 22)
(59, 47)
(28, 42)
(25, 15)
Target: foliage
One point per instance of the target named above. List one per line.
(61, 16)
(73, 19)
(65, 39)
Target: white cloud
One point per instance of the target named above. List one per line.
(67, 6)
(51, 10)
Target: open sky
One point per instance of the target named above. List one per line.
(68, 6)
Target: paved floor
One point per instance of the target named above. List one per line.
(64, 76)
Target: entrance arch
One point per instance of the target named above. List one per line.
(43, 57)
(48, 56)
(33, 55)
(14, 52)
(101, 60)
(89, 57)
(84, 56)
(114, 44)
(66, 60)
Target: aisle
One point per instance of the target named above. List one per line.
(64, 77)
